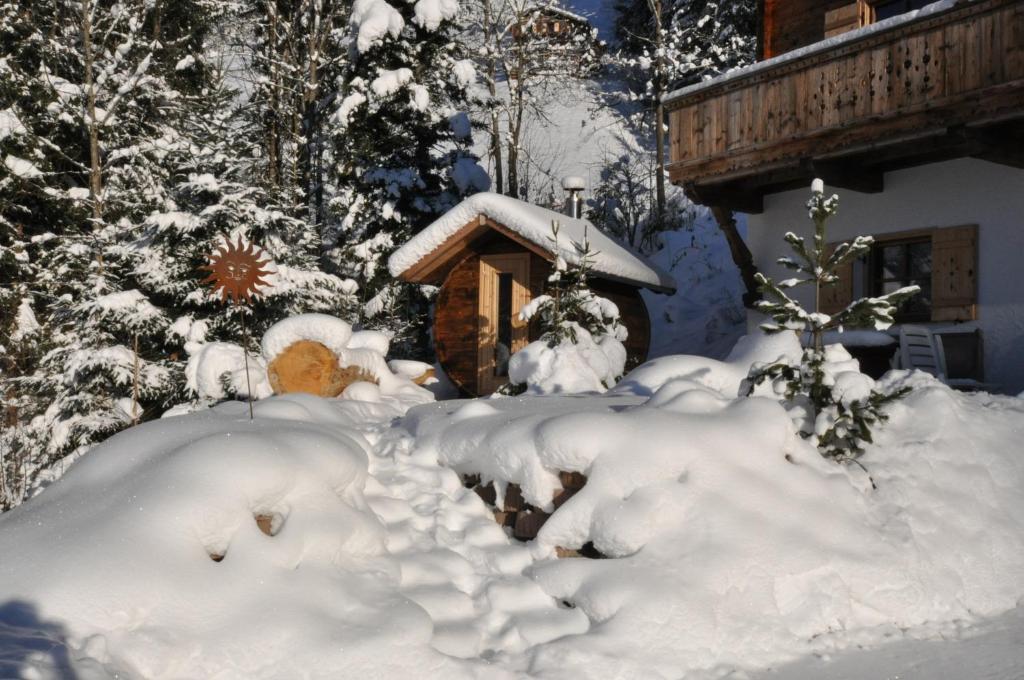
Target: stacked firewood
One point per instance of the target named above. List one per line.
(523, 519)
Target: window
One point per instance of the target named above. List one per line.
(943, 261)
(886, 9)
(503, 348)
(895, 264)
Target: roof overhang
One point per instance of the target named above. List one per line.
(433, 268)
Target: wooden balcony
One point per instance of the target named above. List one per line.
(946, 85)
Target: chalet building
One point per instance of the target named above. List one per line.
(491, 255)
(914, 114)
(559, 42)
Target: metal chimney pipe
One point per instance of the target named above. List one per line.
(574, 187)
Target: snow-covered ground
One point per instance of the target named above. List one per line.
(334, 538)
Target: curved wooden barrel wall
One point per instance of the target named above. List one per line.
(456, 323)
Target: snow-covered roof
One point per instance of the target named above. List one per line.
(820, 46)
(556, 9)
(533, 223)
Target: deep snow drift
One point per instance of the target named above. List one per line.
(737, 543)
(348, 546)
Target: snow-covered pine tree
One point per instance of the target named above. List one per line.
(580, 333)
(213, 196)
(32, 207)
(401, 150)
(569, 304)
(108, 79)
(832, 405)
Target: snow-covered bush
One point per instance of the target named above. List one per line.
(831, 401)
(580, 346)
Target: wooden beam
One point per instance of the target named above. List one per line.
(846, 174)
(999, 144)
(741, 255)
(727, 197)
(986, 106)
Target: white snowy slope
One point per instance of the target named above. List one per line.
(381, 564)
(735, 544)
(736, 551)
(705, 316)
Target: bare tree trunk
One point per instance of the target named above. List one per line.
(660, 85)
(492, 90)
(309, 167)
(273, 114)
(135, 381)
(515, 131)
(740, 254)
(659, 140)
(95, 167)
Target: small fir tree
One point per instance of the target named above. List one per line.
(570, 304)
(838, 417)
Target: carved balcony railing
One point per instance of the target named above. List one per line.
(942, 85)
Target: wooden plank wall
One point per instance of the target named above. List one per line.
(962, 59)
(634, 315)
(456, 321)
(789, 24)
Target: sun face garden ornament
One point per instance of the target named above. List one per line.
(237, 270)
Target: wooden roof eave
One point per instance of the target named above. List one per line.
(430, 269)
(433, 267)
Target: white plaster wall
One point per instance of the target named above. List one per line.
(964, 191)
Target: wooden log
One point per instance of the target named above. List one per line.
(528, 524)
(310, 367)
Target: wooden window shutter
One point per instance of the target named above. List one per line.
(836, 297)
(954, 273)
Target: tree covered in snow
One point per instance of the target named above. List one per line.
(523, 65)
(101, 98)
(210, 198)
(832, 402)
(31, 143)
(569, 304)
(400, 149)
(623, 202)
(294, 50)
(664, 44)
(580, 346)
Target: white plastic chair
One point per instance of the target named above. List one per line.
(918, 350)
(921, 349)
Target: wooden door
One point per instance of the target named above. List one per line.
(504, 290)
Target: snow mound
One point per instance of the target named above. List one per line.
(568, 367)
(736, 542)
(216, 365)
(329, 331)
(121, 551)
(722, 376)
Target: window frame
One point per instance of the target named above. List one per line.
(874, 273)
